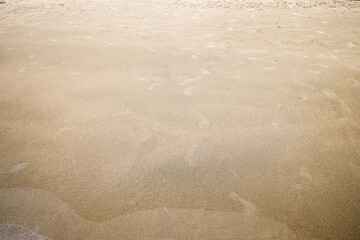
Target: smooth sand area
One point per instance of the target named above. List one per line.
(179, 119)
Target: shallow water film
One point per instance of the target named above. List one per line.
(181, 119)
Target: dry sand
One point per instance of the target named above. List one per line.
(154, 119)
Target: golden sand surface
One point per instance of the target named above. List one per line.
(179, 119)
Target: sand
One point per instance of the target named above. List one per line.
(154, 119)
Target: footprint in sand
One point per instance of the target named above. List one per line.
(186, 48)
(18, 167)
(330, 94)
(333, 56)
(304, 172)
(315, 72)
(189, 80)
(350, 44)
(250, 209)
(151, 49)
(234, 77)
(63, 130)
(276, 124)
(204, 122)
(83, 37)
(235, 174)
(154, 85)
(210, 45)
(268, 69)
(142, 79)
(123, 113)
(302, 97)
(321, 56)
(188, 92)
(204, 71)
(191, 158)
(46, 67)
(320, 65)
(108, 43)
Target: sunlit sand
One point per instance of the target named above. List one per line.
(193, 119)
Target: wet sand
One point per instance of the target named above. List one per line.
(179, 119)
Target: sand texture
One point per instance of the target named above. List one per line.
(179, 119)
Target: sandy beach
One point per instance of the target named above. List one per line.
(179, 119)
